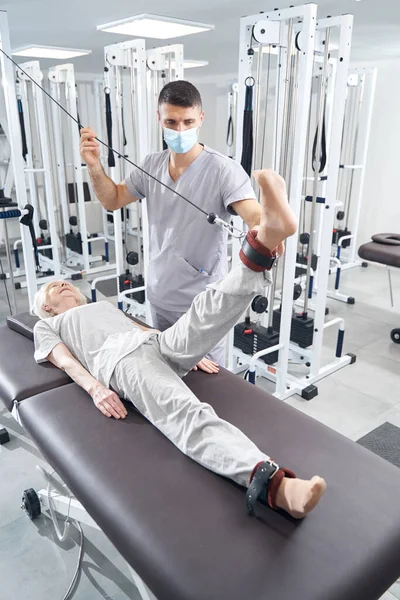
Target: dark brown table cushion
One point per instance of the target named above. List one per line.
(186, 531)
(20, 376)
(384, 254)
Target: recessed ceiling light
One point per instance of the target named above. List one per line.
(50, 52)
(154, 26)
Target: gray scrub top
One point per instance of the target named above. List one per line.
(186, 252)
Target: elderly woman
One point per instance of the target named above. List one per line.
(100, 348)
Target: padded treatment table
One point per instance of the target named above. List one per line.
(384, 249)
(184, 529)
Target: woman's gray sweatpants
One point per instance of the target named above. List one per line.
(151, 378)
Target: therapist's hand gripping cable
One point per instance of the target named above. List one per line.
(212, 218)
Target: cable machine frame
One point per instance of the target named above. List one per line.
(285, 383)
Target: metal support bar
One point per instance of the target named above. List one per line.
(8, 80)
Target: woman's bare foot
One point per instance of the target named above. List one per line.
(277, 221)
(298, 497)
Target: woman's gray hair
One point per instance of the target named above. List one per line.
(40, 300)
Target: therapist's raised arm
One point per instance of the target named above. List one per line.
(112, 196)
(249, 210)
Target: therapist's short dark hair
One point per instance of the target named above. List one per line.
(180, 93)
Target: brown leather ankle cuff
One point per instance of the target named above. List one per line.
(254, 255)
(274, 484)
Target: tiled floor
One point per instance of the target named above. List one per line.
(352, 401)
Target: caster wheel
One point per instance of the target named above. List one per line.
(395, 336)
(31, 503)
(351, 300)
(364, 265)
(309, 392)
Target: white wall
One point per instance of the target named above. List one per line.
(381, 204)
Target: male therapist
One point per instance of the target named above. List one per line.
(186, 252)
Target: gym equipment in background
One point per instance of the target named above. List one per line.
(288, 47)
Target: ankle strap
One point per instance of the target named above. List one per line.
(254, 255)
(264, 484)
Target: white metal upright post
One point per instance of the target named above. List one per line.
(33, 70)
(22, 93)
(369, 76)
(306, 41)
(56, 113)
(131, 54)
(345, 25)
(8, 81)
(65, 74)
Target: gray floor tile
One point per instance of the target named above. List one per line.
(391, 416)
(342, 408)
(373, 375)
(395, 589)
(359, 331)
(122, 596)
(387, 596)
(46, 566)
(384, 347)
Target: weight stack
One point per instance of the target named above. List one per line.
(128, 282)
(338, 234)
(74, 242)
(302, 330)
(256, 339)
(48, 251)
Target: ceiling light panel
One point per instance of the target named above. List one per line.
(50, 52)
(154, 26)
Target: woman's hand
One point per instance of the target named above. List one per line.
(207, 365)
(108, 402)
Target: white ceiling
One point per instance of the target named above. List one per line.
(72, 23)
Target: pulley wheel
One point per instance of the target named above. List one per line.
(297, 291)
(73, 221)
(259, 304)
(43, 224)
(132, 258)
(304, 238)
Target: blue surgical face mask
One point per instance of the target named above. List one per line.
(181, 141)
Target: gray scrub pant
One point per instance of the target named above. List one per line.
(163, 319)
(150, 377)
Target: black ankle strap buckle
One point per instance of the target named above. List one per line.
(258, 488)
